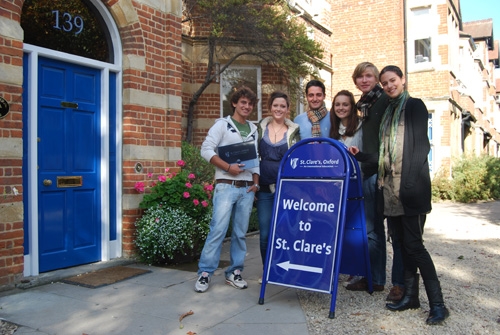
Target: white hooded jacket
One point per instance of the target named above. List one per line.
(222, 133)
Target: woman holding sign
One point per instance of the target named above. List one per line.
(404, 177)
(276, 135)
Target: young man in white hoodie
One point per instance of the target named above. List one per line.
(234, 192)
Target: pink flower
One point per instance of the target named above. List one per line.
(188, 185)
(181, 163)
(153, 184)
(204, 203)
(191, 176)
(196, 202)
(167, 169)
(162, 178)
(139, 187)
(157, 220)
(186, 195)
(150, 174)
(209, 187)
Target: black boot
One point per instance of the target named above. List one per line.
(410, 298)
(438, 311)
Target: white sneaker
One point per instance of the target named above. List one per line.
(235, 280)
(202, 283)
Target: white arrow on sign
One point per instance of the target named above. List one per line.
(287, 266)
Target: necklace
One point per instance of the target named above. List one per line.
(276, 132)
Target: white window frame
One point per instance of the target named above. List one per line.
(226, 87)
(421, 27)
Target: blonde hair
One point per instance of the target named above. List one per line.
(362, 67)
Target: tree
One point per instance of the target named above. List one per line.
(263, 29)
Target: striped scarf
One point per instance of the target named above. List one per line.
(389, 126)
(315, 116)
(368, 100)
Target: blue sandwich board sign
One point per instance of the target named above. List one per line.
(313, 194)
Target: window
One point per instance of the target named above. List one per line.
(236, 76)
(423, 50)
(69, 26)
(420, 31)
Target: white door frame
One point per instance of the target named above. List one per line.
(109, 249)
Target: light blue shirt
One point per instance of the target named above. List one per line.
(305, 125)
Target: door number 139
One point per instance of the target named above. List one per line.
(69, 23)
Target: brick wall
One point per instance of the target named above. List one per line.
(155, 37)
(370, 31)
(152, 79)
(11, 206)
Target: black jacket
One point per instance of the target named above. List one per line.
(415, 190)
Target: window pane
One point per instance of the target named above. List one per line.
(423, 50)
(234, 77)
(69, 26)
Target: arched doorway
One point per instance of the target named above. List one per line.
(71, 134)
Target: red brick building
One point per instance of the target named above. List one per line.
(95, 98)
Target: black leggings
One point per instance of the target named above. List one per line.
(409, 230)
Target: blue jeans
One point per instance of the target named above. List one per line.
(229, 202)
(375, 230)
(265, 204)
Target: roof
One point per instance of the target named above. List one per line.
(479, 29)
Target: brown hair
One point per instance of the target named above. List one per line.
(246, 92)
(352, 121)
(275, 95)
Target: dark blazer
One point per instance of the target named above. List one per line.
(415, 191)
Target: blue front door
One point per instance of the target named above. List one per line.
(69, 196)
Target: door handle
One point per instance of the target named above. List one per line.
(47, 182)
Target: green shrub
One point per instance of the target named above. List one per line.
(473, 179)
(442, 186)
(177, 214)
(166, 235)
(203, 170)
(180, 191)
(492, 180)
(468, 175)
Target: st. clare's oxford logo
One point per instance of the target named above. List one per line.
(293, 162)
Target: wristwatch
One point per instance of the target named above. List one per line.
(257, 186)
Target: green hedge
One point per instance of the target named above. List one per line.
(473, 179)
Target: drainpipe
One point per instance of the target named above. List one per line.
(405, 42)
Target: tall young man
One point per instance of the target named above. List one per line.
(371, 105)
(316, 122)
(234, 192)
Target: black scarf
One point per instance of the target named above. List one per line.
(368, 100)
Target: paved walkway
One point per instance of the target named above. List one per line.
(152, 303)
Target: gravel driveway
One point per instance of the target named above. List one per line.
(464, 242)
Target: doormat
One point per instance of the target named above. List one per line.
(104, 277)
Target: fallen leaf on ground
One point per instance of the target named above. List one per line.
(190, 333)
(185, 314)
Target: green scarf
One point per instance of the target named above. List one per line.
(389, 125)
